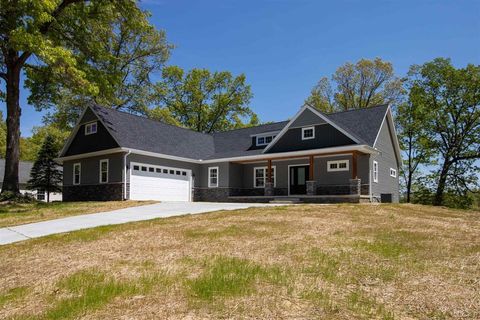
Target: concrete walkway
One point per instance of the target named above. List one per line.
(147, 212)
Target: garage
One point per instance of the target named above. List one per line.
(149, 182)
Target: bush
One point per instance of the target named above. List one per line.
(12, 197)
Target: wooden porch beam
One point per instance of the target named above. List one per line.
(354, 165)
(296, 157)
(269, 170)
(310, 169)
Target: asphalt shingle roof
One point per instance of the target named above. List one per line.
(140, 133)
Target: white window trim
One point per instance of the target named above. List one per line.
(100, 171)
(274, 168)
(347, 168)
(375, 171)
(305, 129)
(393, 173)
(264, 139)
(210, 185)
(88, 125)
(79, 173)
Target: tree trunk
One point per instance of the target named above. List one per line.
(48, 196)
(409, 186)
(438, 200)
(10, 180)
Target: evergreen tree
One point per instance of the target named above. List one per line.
(45, 174)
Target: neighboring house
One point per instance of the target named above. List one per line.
(24, 169)
(347, 156)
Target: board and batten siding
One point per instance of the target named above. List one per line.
(386, 159)
(101, 140)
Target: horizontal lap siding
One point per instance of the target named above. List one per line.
(386, 159)
(90, 169)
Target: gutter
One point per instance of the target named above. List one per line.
(125, 174)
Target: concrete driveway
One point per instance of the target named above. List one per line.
(147, 212)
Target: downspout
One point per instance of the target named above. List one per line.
(125, 174)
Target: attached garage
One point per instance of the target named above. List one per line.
(149, 182)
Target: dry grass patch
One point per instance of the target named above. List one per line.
(305, 262)
(22, 213)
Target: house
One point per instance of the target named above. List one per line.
(24, 169)
(349, 156)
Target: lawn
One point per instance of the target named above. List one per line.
(16, 214)
(302, 262)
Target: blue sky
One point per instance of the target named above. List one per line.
(285, 46)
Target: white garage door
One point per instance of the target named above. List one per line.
(159, 183)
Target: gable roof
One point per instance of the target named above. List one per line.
(140, 133)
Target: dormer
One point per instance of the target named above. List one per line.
(261, 140)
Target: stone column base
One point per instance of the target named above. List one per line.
(311, 188)
(355, 186)
(269, 189)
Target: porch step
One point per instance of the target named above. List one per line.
(285, 200)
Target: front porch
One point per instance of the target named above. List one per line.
(317, 178)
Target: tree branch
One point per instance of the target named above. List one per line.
(46, 26)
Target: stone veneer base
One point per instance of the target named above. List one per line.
(97, 192)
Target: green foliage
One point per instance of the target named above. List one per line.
(13, 197)
(29, 147)
(12, 295)
(451, 98)
(45, 174)
(3, 136)
(204, 101)
(360, 85)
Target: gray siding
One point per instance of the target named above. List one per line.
(325, 136)
(307, 118)
(82, 143)
(90, 169)
(386, 159)
(321, 175)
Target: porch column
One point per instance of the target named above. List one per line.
(354, 165)
(269, 188)
(311, 183)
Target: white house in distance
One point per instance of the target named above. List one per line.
(24, 169)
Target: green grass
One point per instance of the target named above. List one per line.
(228, 277)
(322, 299)
(360, 303)
(324, 265)
(89, 290)
(12, 295)
(21, 213)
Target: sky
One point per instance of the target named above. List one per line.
(285, 46)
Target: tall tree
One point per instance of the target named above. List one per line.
(30, 146)
(62, 47)
(204, 101)
(453, 98)
(45, 174)
(354, 86)
(414, 137)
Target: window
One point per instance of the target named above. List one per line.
(136, 168)
(308, 133)
(158, 170)
(265, 139)
(41, 195)
(91, 128)
(260, 176)
(184, 173)
(375, 171)
(213, 177)
(338, 165)
(393, 173)
(144, 168)
(151, 169)
(165, 171)
(172, 171)
(104, 171)
(76, 173)
(177, 173)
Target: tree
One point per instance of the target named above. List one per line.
(414, 138)
(360, 85)
(45, 174)
(452, 97)
(204, 101)
(80, 50)
(3, 136)
(30, 146)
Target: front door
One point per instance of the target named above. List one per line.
(298, 180)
